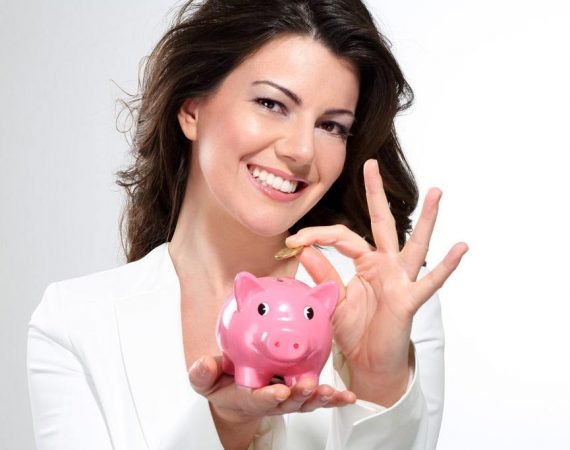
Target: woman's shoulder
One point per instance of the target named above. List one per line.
(95, 295)
(143, 274)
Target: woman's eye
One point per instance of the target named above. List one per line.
(269, 104)
(336, 129)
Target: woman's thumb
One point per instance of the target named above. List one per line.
(203, 375)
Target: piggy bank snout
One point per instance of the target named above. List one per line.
(287, 346)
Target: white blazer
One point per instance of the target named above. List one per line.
(106, 370)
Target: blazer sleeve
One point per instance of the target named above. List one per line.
(62, 400)
(414, 421)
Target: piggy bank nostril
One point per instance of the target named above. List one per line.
(295, 345)
(277, 344)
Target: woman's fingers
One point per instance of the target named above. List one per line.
(320, 398)
(381, 220)
(238, 403)
(320, 269)
(424, 288)
(414, 252)
(262, 401)
(341, 399)
(207, 379)
(326, 397)
(346, 241)
(204, 374)
(300, 393)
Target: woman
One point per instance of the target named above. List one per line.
(254, 123)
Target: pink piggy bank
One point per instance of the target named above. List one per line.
(276, 327)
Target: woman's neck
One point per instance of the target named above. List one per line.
(208, 252)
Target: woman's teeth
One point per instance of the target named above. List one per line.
(277, 183)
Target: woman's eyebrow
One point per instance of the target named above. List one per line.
(297, 99)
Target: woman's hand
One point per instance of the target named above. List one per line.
(237, 410)
(373, 320)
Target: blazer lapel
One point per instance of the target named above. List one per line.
(150, 332)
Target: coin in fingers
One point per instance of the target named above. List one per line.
(286, 253)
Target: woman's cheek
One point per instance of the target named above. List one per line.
(254, 132)
(331, 156)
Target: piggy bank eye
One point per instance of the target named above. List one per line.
(309, 313)
(263, 309)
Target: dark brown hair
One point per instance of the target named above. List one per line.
(209, 39)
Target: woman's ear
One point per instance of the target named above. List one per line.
(187, 118)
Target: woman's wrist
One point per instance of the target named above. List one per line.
(383, 387)
(236, 433)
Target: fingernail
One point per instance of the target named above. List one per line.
(324, 398)
(374, 162)
(307, 392)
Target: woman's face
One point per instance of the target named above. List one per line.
(270, 141)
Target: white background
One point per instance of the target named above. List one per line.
(489, 127)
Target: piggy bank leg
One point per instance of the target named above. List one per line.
(249, 377)
(290, 380)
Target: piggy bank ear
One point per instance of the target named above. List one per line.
(327, 294)
(245, 286)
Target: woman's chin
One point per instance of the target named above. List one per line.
(270, 232)
(268, 228)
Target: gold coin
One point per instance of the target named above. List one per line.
(287, 252)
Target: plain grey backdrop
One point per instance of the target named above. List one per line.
(489, 127)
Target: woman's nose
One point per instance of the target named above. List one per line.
(297, 146)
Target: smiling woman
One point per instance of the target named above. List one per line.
(205, 43)
(259, 124)
(287, 128)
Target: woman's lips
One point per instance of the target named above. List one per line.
(278, 173)
(276, 184)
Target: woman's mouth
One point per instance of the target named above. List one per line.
(269, 179)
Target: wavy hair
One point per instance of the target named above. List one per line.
(204, 43)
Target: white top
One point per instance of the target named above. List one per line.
(106, 370)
